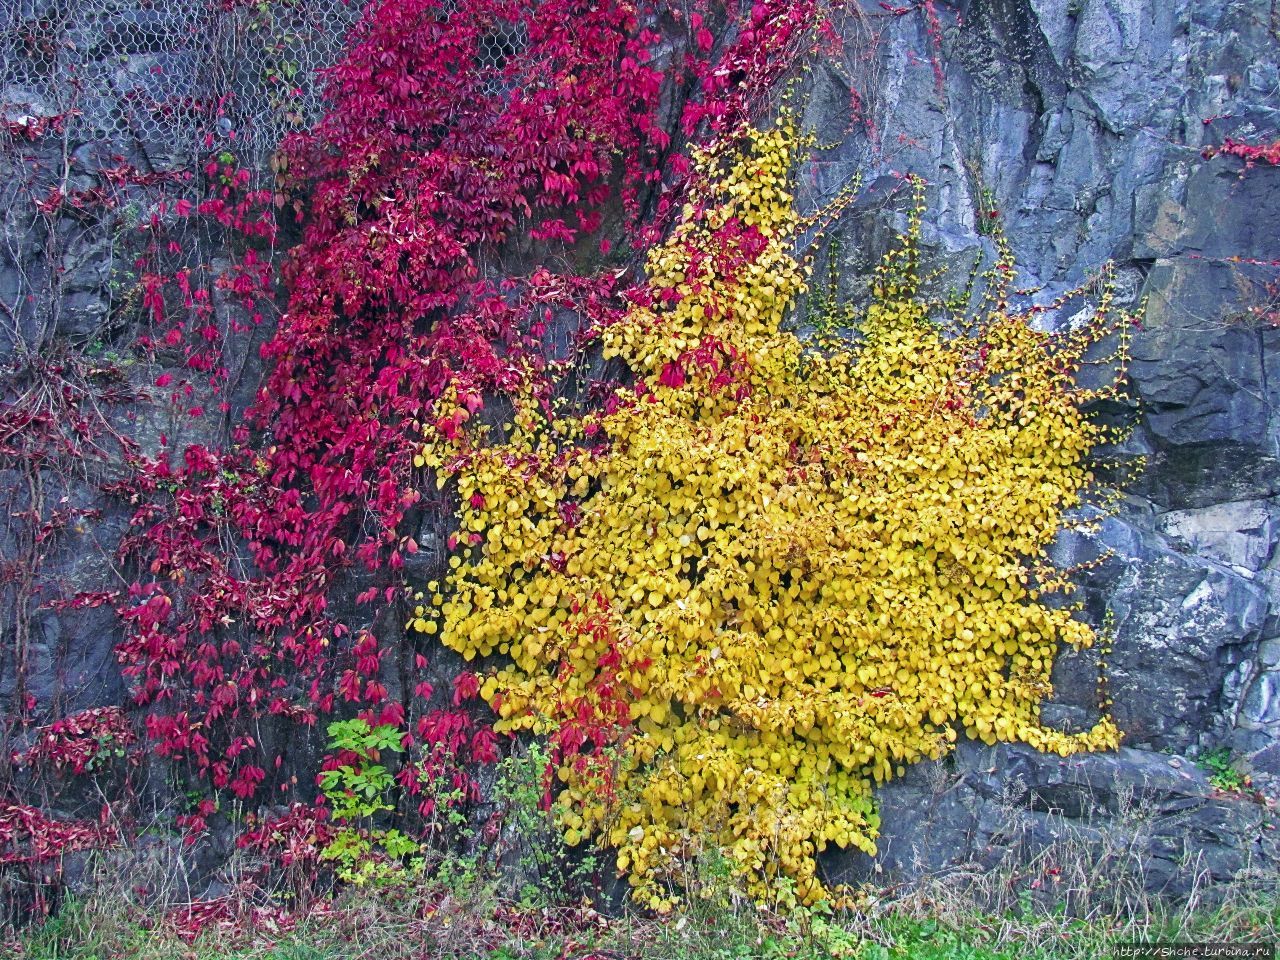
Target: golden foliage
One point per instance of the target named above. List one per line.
(799, 571)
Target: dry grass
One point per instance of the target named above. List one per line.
(1068, 899)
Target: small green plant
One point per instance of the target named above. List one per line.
(820, 928)
(828, 311)
(532, 841)
(988, 213)
(357, 793)
(1222, 773)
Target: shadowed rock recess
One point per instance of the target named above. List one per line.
(1087, 125)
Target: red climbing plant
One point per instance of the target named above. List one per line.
(1251, 153)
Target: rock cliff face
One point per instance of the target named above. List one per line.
(1085, 124)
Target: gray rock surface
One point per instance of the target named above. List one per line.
(1131, 818)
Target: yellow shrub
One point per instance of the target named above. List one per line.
(789, 573)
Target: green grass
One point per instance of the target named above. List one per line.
(357, 931)
(982, 915)
(929, 940)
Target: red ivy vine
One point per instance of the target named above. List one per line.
(1251, 153)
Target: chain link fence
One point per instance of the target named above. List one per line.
(167, 75)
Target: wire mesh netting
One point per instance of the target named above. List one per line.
(168, 73)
